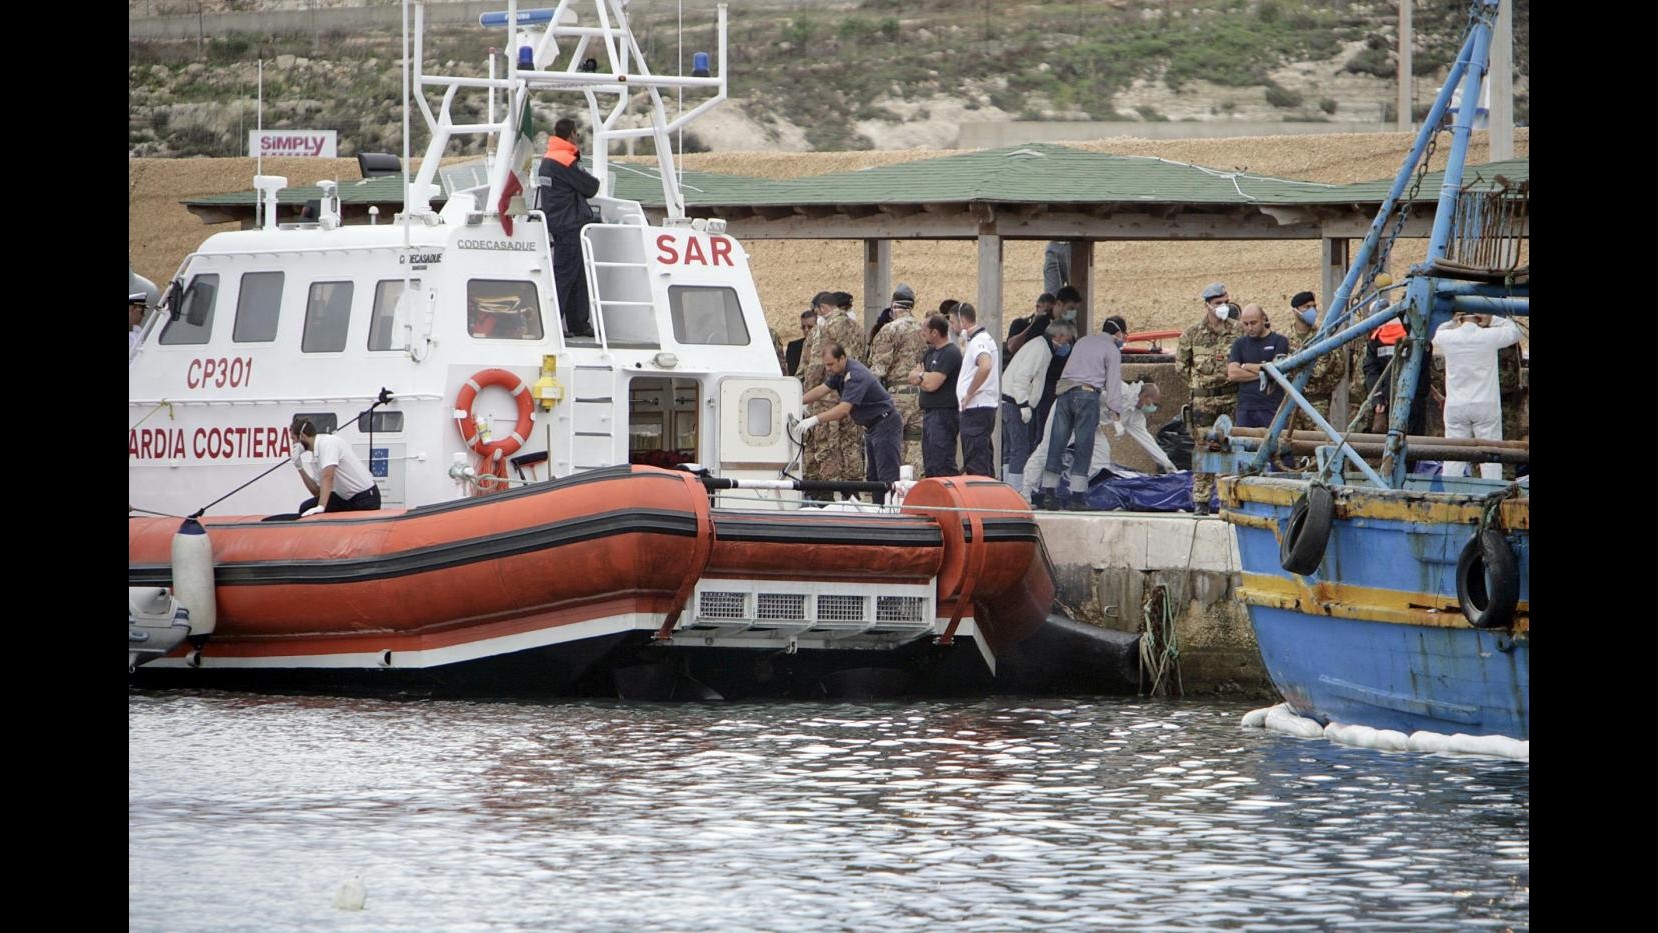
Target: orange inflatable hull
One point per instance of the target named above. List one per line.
(618, 549)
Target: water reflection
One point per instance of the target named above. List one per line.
(989, 815)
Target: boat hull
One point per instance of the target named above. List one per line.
(1376, 635)
(555, 587)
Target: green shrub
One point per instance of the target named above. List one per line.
(1280, 96)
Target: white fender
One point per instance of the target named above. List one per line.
(193, 576)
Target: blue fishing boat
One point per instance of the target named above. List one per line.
(1382, 592)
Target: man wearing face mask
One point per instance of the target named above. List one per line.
(1201, 358)
(1022, 388)
(1145, 396)
(1089, 391)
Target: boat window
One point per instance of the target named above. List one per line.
(388, 421)
(325, 421)
(707, 315)
(257, 304)
(501, 310)
(194, 323)
(383, 327)
(327, 314)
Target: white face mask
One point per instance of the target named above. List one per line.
(1070, 314)
(1223, 311)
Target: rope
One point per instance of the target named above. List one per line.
(164, 403)
(1159, 647)
(157, 514)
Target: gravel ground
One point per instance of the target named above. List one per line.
(1154, 284)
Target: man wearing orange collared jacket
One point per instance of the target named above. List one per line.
(565, 188)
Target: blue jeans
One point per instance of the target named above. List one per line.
(1016, 439)
(1076, 412)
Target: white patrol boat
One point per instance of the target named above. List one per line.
(528, 539)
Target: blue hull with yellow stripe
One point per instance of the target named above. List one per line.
(1376, 636)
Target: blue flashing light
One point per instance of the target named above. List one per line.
(539, 17)
(526, 57)
(699, 65)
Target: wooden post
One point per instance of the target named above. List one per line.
(877, 280)
(989, 305)
(1082, 279)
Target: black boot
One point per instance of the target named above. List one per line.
(1079, 503)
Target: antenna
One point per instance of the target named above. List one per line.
(259, 154)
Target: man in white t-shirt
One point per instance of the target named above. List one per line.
(978, 393)
(336, 477)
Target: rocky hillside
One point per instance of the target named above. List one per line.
(839, 74)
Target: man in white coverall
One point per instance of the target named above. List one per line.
(1133, 423)
(1023, 385)
(1473, 407)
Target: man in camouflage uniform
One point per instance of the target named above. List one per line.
(1328, 372)
(836, 450)
(777, 345)
(1201, 358)
(896, 350)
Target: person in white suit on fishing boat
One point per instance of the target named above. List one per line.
(336, 477)
(1473, 405)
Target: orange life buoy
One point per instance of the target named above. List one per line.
(494, 453)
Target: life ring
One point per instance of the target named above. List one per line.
(1488, 580)
(1301, 549)
(494, 453)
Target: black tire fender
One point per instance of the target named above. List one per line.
(1301, 549)
(1488, 580)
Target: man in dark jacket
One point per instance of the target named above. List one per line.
(565, 188)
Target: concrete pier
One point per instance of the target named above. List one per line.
(1108, 563)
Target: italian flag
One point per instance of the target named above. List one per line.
(522, 164)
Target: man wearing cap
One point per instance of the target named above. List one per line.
(1201, 358)
(861, 399)
(1330, 369)
(135, 318)
(836, 451)
(894, 352)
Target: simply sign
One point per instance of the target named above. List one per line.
(315, 143)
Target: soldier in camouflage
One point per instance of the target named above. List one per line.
(1201, 358)
(836, 450)
(896, 350)
(1328, 372)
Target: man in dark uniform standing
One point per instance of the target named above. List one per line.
(565, 188)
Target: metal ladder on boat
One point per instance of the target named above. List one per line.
(619, 285)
